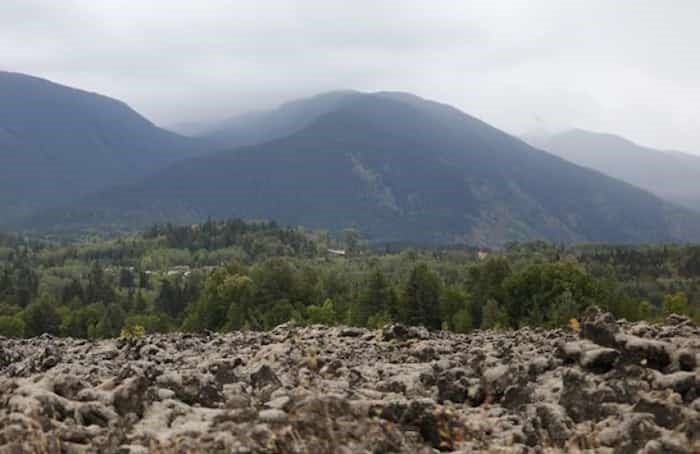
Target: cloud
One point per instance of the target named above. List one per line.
(623, 67)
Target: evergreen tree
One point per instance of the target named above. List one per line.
(421, 298)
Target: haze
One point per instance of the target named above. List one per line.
(525, 66)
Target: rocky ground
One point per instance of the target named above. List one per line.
(615, 387)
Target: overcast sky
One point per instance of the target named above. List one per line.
(627, 67)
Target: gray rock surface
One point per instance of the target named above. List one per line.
(616, 387)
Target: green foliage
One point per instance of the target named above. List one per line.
(548, 294)
(486, 282)
(420, 303)
(41, 317)
(11, 326)
(98, 287)
(456, 309)
(110, 325)
(133, 331)
(494, 317)
(324, 314)
(676, 304)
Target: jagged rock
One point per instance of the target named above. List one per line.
(680, 382)
(665, 413)
(352, 332)
(599, 360)
(678, 320)
(273, 416)
(263, 376)
(129, 396)
(687, 359)
(599, 327)
(570, 351)
(632, 434)
(650, 353)
(319, 389)
(664, 446)
(497, 379)
(580, 399)
(555, 423)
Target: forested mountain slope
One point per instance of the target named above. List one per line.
(57, 143)
(397, 167)
(669, 174)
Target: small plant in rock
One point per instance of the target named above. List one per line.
(133, 331)
(574, 325)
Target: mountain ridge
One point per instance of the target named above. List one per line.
(59, 142)
(669, 174)
(398, 169)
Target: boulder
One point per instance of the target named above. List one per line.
(599, 360)
(599, 327)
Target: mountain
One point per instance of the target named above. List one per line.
(257, 127)
(58, 143)
(669, 174)
(398, 168)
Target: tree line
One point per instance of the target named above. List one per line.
(233, 275)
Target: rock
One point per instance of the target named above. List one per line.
(687, 359)
(599, 360)
(664, 447)
(516, 396)
(665, 413)
(570, 351)
(424, 353)
(681, 382)
(678, 320)
(555, 423)
(346, 390)
(497, 379)
(352, 332)
(129, 396)
(580, 399)
(451, 389)
(599, 327)
(396, 331)
(273, 416)
(632, 434)
(264, 376)
(93, 413)
(279, 403)
(650, 353)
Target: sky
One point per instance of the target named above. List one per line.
(620, 66)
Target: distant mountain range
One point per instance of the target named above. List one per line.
(397, 168)
(671, 175)
(58, 143)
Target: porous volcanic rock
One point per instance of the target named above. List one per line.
(616, 387)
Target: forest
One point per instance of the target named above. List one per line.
(240, 275)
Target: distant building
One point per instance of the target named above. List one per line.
(338, 252)
(482, 254)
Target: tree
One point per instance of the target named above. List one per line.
(97, 289)
(421, 298)
(535, 293)
(676, 303)
(486, 283)
(324, 314)
(377, 297)
(455, 309)
(111, 323)
(11, 326)
(352, 241)
(41, 317)
(82, 321)
(494, 316)
(226, 301)
(72, 291)
(126, 278)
